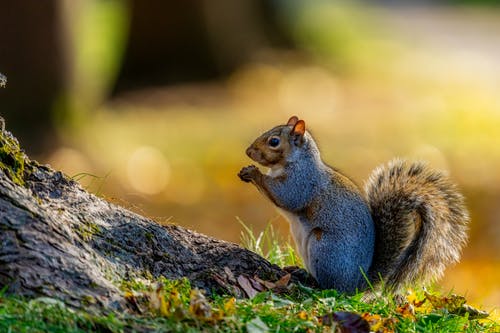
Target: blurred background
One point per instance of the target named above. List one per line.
(151, 103)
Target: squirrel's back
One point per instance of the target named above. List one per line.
(420, 223)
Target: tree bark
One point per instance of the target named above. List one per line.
(58, 240)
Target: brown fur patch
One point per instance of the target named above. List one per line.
(318, 233)
(262, 153)
(310, 211)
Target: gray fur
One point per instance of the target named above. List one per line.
(411, 224)
(420, 222)
(338, 209)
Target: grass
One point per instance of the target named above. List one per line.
(174, 306)
(304, 311)
(267, 244)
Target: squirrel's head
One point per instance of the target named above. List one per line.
(274, 146)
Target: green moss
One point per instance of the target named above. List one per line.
(133, 284)
(12, 159)
(88, 300)
(87, 230)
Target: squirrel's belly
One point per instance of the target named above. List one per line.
(299, 234)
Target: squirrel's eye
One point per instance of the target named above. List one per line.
(274, 141)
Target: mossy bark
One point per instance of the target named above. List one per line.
(58, 240)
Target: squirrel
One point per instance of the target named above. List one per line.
(404, 228)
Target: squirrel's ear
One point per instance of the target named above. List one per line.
(292, 121)
(298, 131)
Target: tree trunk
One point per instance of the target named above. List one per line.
(58, 240)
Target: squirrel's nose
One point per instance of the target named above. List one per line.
(249, 151)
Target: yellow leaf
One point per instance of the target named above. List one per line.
(379, 324)
(128, 294)
(230, 306)
(374, 320)
(163, 307)
(419, 305)
(407, 311)
(411, 297)
(158, 301)
(302, 315)
(174, 299)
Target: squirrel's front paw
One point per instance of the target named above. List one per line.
(248, 173)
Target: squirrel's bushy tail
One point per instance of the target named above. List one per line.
(420, 222)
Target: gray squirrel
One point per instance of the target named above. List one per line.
(409, 223)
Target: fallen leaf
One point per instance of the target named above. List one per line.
(407, 311)
(283, 281)
(374, 320)
(302, 315)
(412, 298)
(230, 275)
(267, 284)
(132, 299)
(473, 312)
(228, 286)
(346, 322)
(246, 285)
(451, 303)
(379, 324)
(256, 285)
(230, 306)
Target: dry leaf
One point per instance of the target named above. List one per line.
(283, 281)
(346, 322)
(256, 284)
(473, 312)
(452, 303)
(375, 321)
(230, 275)
(407, 311)
(131, 297)
(379, 324)
(267, 284)
(246, 285)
